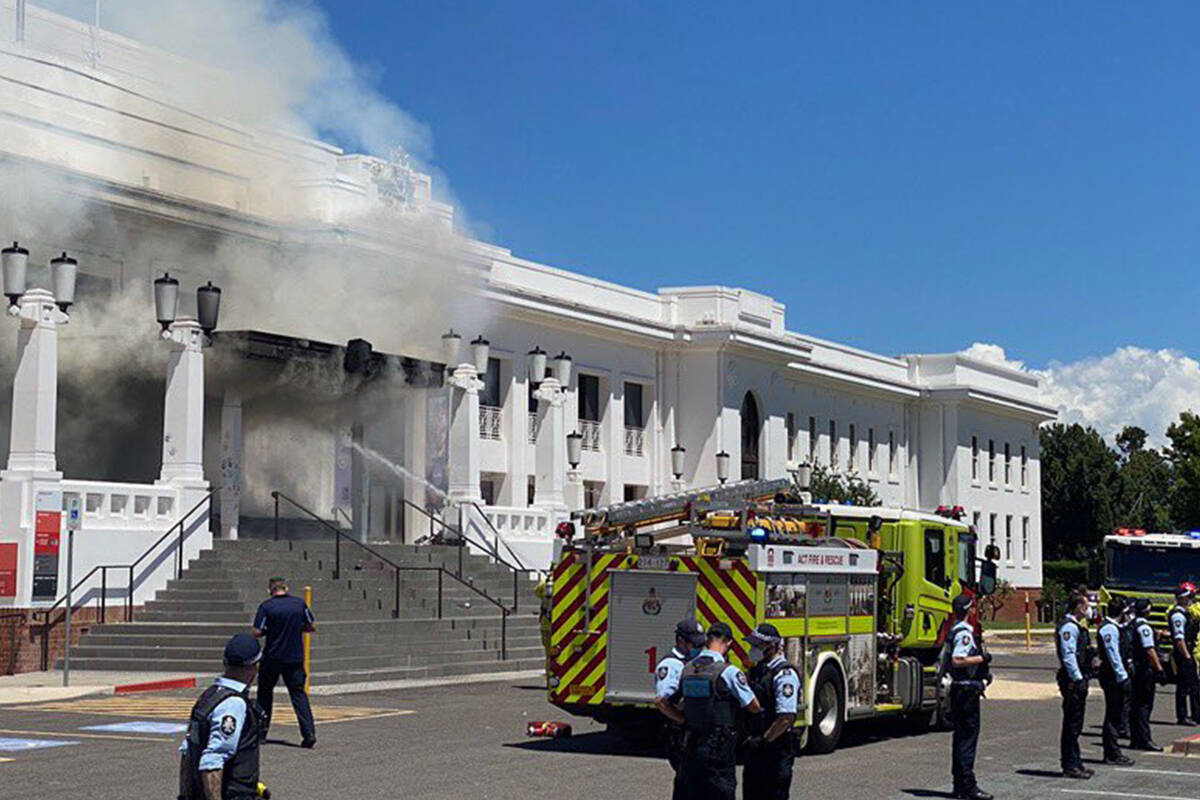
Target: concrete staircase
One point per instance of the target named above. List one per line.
(187, 624)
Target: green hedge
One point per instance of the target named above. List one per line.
(1066, 573)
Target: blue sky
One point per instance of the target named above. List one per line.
(904, 177)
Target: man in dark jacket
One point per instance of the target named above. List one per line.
(283, 620)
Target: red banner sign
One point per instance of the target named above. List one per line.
(46, 532)
(8, 570)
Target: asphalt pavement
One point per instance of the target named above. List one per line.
(469, 741)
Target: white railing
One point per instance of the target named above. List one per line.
(490, 418)
(124, 506)
(635, 441)
(527, 532)
(590, 430)
(533, 427)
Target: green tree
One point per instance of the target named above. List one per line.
(827, 486)
(1184, 454)
(1080, 490)
(1145, 489)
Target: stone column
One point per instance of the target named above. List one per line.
(183, 411)
(31, 453)
(231, 464)
(465, 447)
(550, 450)
(573, 494)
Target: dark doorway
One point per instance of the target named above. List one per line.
(751, 427)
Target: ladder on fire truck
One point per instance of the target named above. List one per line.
(677, 506)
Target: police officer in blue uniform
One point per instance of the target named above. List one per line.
(1183, 641)
(967, 661)
(770, 750)
(689, 638)
(1127, 654)
(1072, 644)
(219, 758)
(713, 691)
(1147, 674)
(1114, 680)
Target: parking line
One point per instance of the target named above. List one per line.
(1125, 794)
(79, 735)
(1159, 771)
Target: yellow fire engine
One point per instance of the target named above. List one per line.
(861, 596)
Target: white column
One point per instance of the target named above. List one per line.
(31, 452)
(465, 447)
(183, 411)
(550, 450)
(573, 493)
(231, 463)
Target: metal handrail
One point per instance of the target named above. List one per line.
(511, 552)
(48, 626)
(398, 568)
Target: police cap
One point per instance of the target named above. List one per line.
(690, 631)
(765, 634)
(961, 603)
(241, 650)
(1117, 606)
(720, 630)
(1142, 605)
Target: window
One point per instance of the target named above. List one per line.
(487, 489)
(935, 556)
(976, 521)
(991, 461)
(833, 445)
(591, 493)
(1007, 465)
(991, 528)
(893, 454)
(589, 397)
(791, 436)
(852, 461)
(871, 450)
(812, 440)
(530, 490)
(635, 416)
(1008, 548)
(1024, 469)
(975, 458)
(490, 396)
(1025, 540)
(634, 492)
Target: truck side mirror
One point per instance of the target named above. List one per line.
(987, 578)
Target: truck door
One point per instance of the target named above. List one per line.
(644, 607)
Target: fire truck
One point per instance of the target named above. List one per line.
(1141, 564)
(861, 596)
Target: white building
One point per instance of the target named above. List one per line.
(315, 248)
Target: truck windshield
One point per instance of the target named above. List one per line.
(966, 559)
(1141, 567)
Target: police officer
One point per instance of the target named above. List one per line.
(1183, 639)
(966, 660)
(1147, 674)
(770, 750)
(1072, 644)
(713, 690)
(219, 758)
(689, 638)
(1114, 680)
(1127, 653)
(283, 620)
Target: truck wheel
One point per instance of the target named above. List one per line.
(829, 711)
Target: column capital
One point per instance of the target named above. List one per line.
(466, 378)
(37, 308)
(186, 333)
(551, 391)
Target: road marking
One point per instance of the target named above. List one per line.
(8, 745)
(1126, 794)
(78, 735)
(1179, 772)
(138, 726)
(177, 708)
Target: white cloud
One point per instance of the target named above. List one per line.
(1130, 386)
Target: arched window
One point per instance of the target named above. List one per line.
(751, 428)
